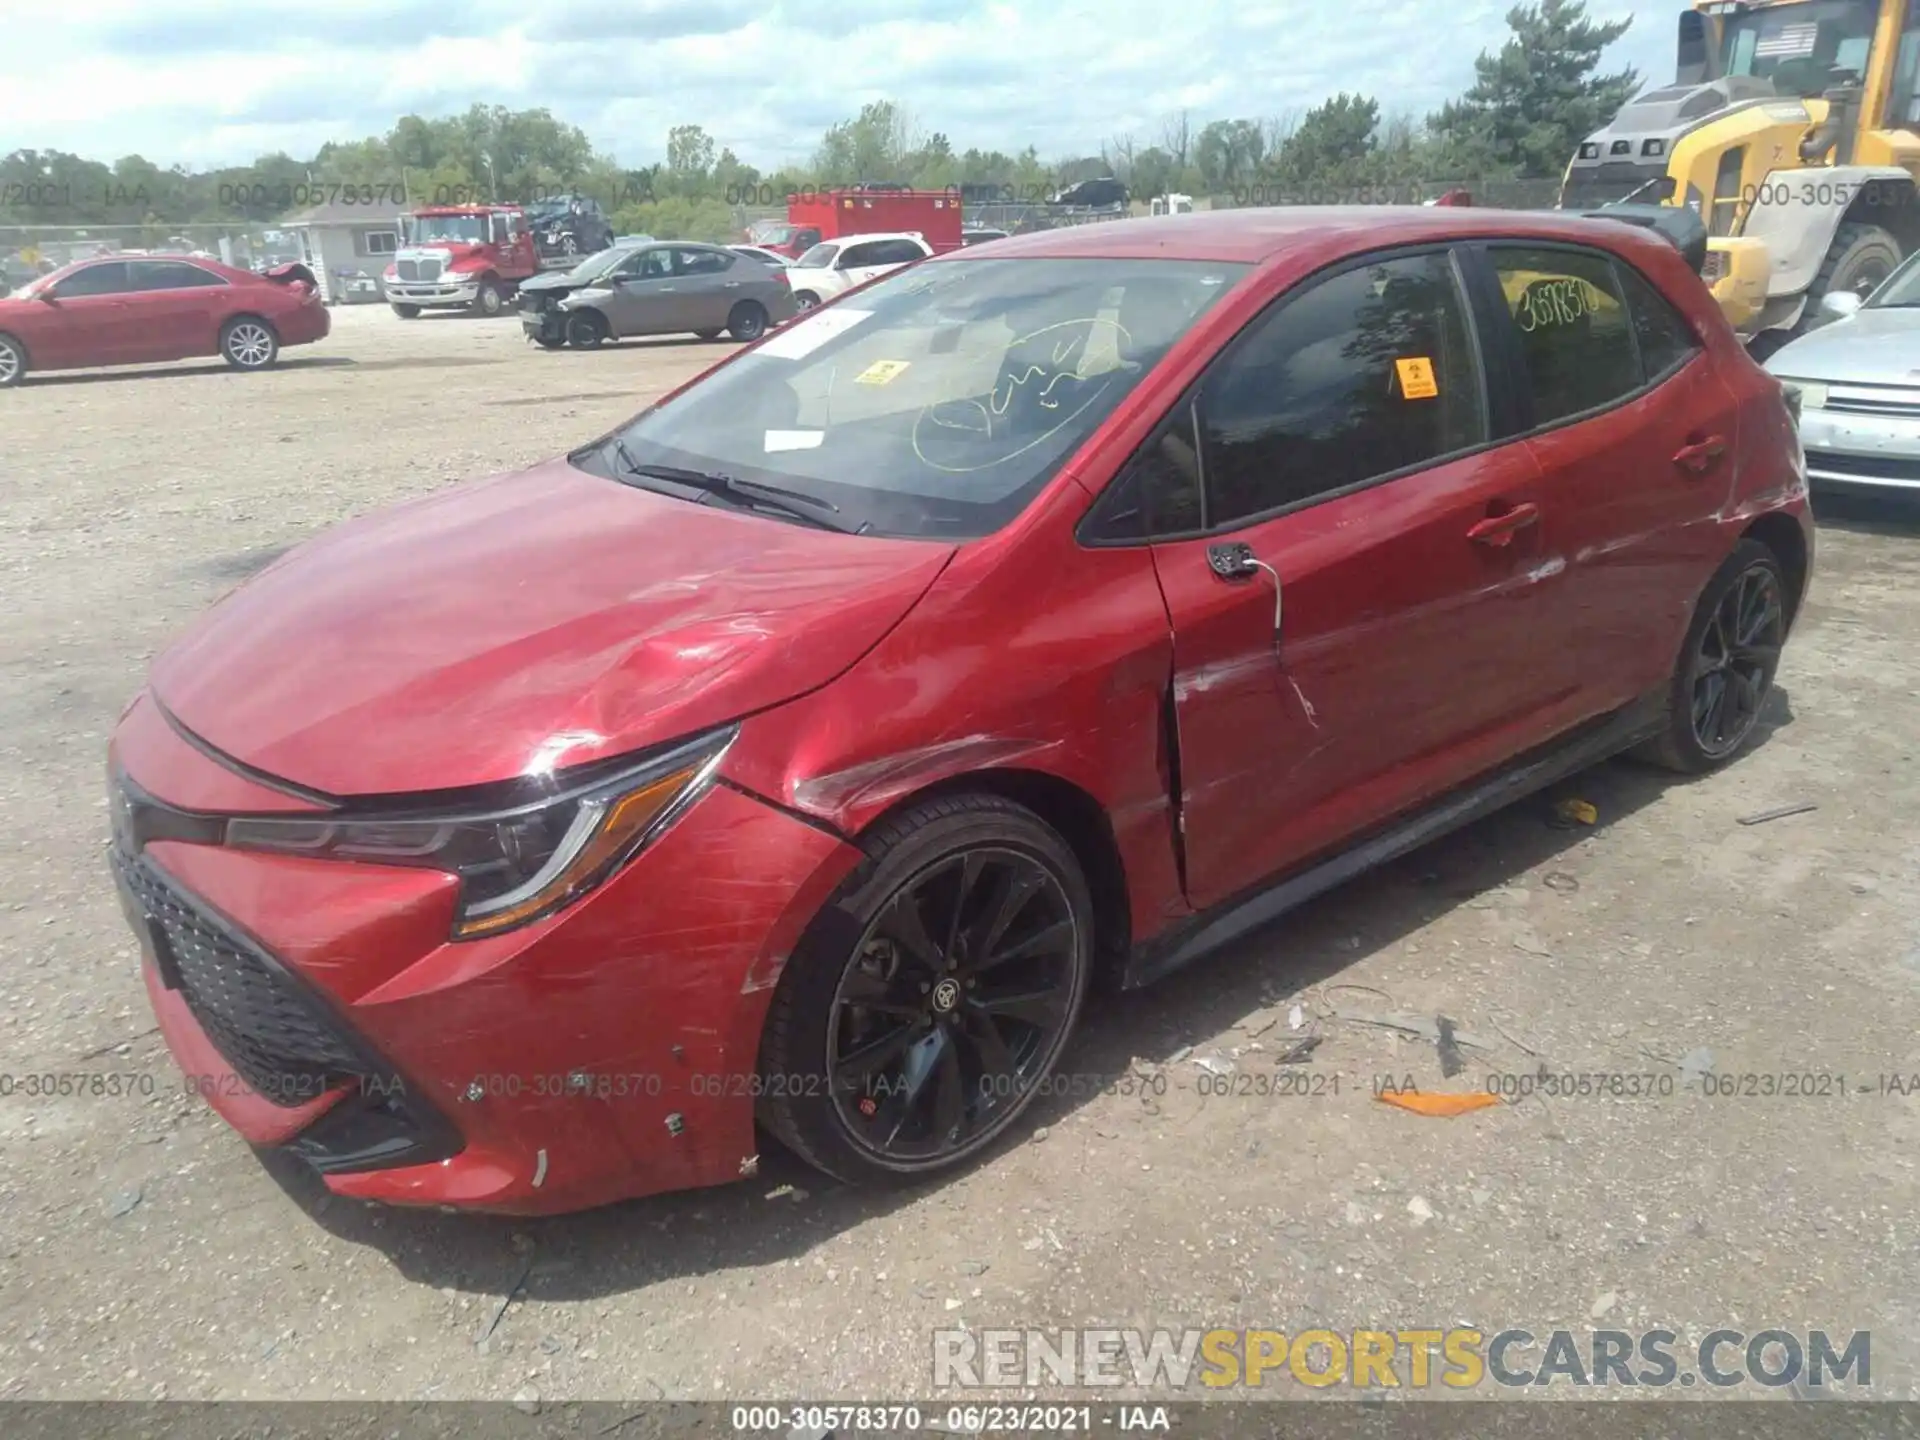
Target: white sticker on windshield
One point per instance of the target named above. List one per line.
(778, 440)
(803, 337)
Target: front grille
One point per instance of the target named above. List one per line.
(1865, 467)
(277, 1039)
(417, 269)
(1900, 403)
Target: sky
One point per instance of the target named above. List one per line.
(213, 82)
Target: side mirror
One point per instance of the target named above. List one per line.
(46, 296)
(1839, 304)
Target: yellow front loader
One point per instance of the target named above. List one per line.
(1792, 129)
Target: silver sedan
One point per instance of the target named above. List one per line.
(657, 289)
(1858, 379)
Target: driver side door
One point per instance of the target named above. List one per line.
(88, 320)
(644, 299)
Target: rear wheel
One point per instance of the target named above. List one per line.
(748, 321)
(13, 361)
(248, 343)
(932, 996)
(806, 299)
(407, 312)
(549, 342)
(586, 329)
(1726, 667)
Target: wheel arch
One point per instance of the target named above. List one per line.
(26, 350)
(1890, 203)
(1081, 821)
(1783, 536)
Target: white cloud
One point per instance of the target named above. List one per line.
(214, 82)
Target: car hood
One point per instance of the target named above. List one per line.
(554, 280)
(1870, 347)
(524, 623)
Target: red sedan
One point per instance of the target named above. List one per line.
(794, 758)
(142, 309)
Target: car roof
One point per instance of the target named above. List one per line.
(226, 272)
(867, 235)
(1251, 235)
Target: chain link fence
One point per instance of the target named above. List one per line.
(27, 251)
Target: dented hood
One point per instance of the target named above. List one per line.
(526, 622)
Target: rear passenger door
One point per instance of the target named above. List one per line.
(177, 309)
(1634, 433)
(706, 290)
(1348, 443)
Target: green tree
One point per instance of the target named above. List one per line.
(1332, 143)
(1533, 102)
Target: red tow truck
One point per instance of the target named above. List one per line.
(861, 210)
(463, 257)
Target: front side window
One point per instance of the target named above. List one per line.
(937, 402)
(106, 279)
(648, 265)
(1361, 375)
(1803, 49)
(442, 229)
(1576, 345)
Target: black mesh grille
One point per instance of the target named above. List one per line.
(277, 1039)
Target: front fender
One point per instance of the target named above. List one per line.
(1796, 213)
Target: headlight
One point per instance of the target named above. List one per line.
(1812, 393)
(518, 861)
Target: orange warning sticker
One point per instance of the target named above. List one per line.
(1416, 378)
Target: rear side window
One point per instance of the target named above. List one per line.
(1369, 372)
(1666, 340)
(702, 262)
(873, 253)
(1577, 347)
(171, 275)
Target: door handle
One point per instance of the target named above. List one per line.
(733, 284)
(1500, 529)
(1700, 456)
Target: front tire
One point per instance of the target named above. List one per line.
(586, 329)
(407, 312)
(931, 997)
(806, 300)
(1860, 258)
(13, 361)
(248, 343)
(489, 300)
(1725, 672)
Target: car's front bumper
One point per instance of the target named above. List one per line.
(438, 292)
(1848, 448)
(606, 1052)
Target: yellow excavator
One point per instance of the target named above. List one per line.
(1792, 130)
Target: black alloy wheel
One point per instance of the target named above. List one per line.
(1734, 662)
(958, 994)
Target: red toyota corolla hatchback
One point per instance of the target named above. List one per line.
(143, 309)
(801, 752)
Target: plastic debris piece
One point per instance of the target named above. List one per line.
(1778, 814)
(1296, 1017)
(1438, 1106)
(1695, 1064)
(1300, 1050)
(1451, 1061)
(1577, 812)
(1214, 1065)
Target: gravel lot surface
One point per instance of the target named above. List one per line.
(148, 1253)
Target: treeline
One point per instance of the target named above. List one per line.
(1531, 103)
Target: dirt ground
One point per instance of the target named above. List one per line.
(148, 1253)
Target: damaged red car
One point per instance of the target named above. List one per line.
(796, 758)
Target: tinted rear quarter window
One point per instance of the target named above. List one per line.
(1357, 376)
(1666, 339)
(1577, 348)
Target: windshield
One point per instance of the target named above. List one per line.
(426, 229)
(940, 401)
(1901, 289)
(818, 258)
(599, 262)
(1798, 47)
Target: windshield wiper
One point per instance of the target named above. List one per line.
(749, 492)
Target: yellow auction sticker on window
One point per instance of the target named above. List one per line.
(881, 372)
(1416, 378)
